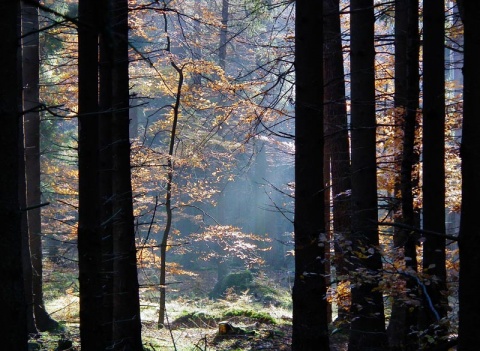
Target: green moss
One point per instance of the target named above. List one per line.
(263, 317)
(196, 319)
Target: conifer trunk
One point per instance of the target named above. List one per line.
(89, 241)
(367, 329)
(469, 240)
(13, 316)
(31, 104)
(337, 146)
(310, 320)
(404, 317)
(126, 305)
(433, 160)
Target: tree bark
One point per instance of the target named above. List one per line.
(105, 168)
(13, 316)
(89, 240)
(367, 328)
(469, 240)
(310, 321)
(126, 313)
(433, 160)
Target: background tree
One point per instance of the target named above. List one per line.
(337, 146)
(403, 316)
(31, 106)
(367, 329)
(310, 321)
(12, 291)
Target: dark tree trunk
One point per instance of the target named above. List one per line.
(403, 317)
(105, 168)
(22, 181)
(13, 316)
(367, 330)
(310, 323)
(26, 256)
(337, 149)
(433, 159)
(89, 240)
(469, 241)
(31, 104)
(126, 312)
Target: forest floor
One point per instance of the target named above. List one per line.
(260, 316)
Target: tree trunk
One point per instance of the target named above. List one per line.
(337, 147)
(126, 313)
(26, 256)
(404, 317)
(310, 322)
(13, 316)
(367, 330)
(89, 240)
(469, 240)
(222, 50)
(433, 160)
(168, 198)
(105, 168)
(27, 104)
(31, 104)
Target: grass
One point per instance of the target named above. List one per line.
(263, 307)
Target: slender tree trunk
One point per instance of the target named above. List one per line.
(89, 240)
(433, 159)
(337, 147)
(13, 316)
(168, 198)
(310, 321)
(469, 240)
(31, 104)
(126, 313)
(367, 329)
(222, 50)
(403, 317)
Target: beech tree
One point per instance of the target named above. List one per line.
(310, 320)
